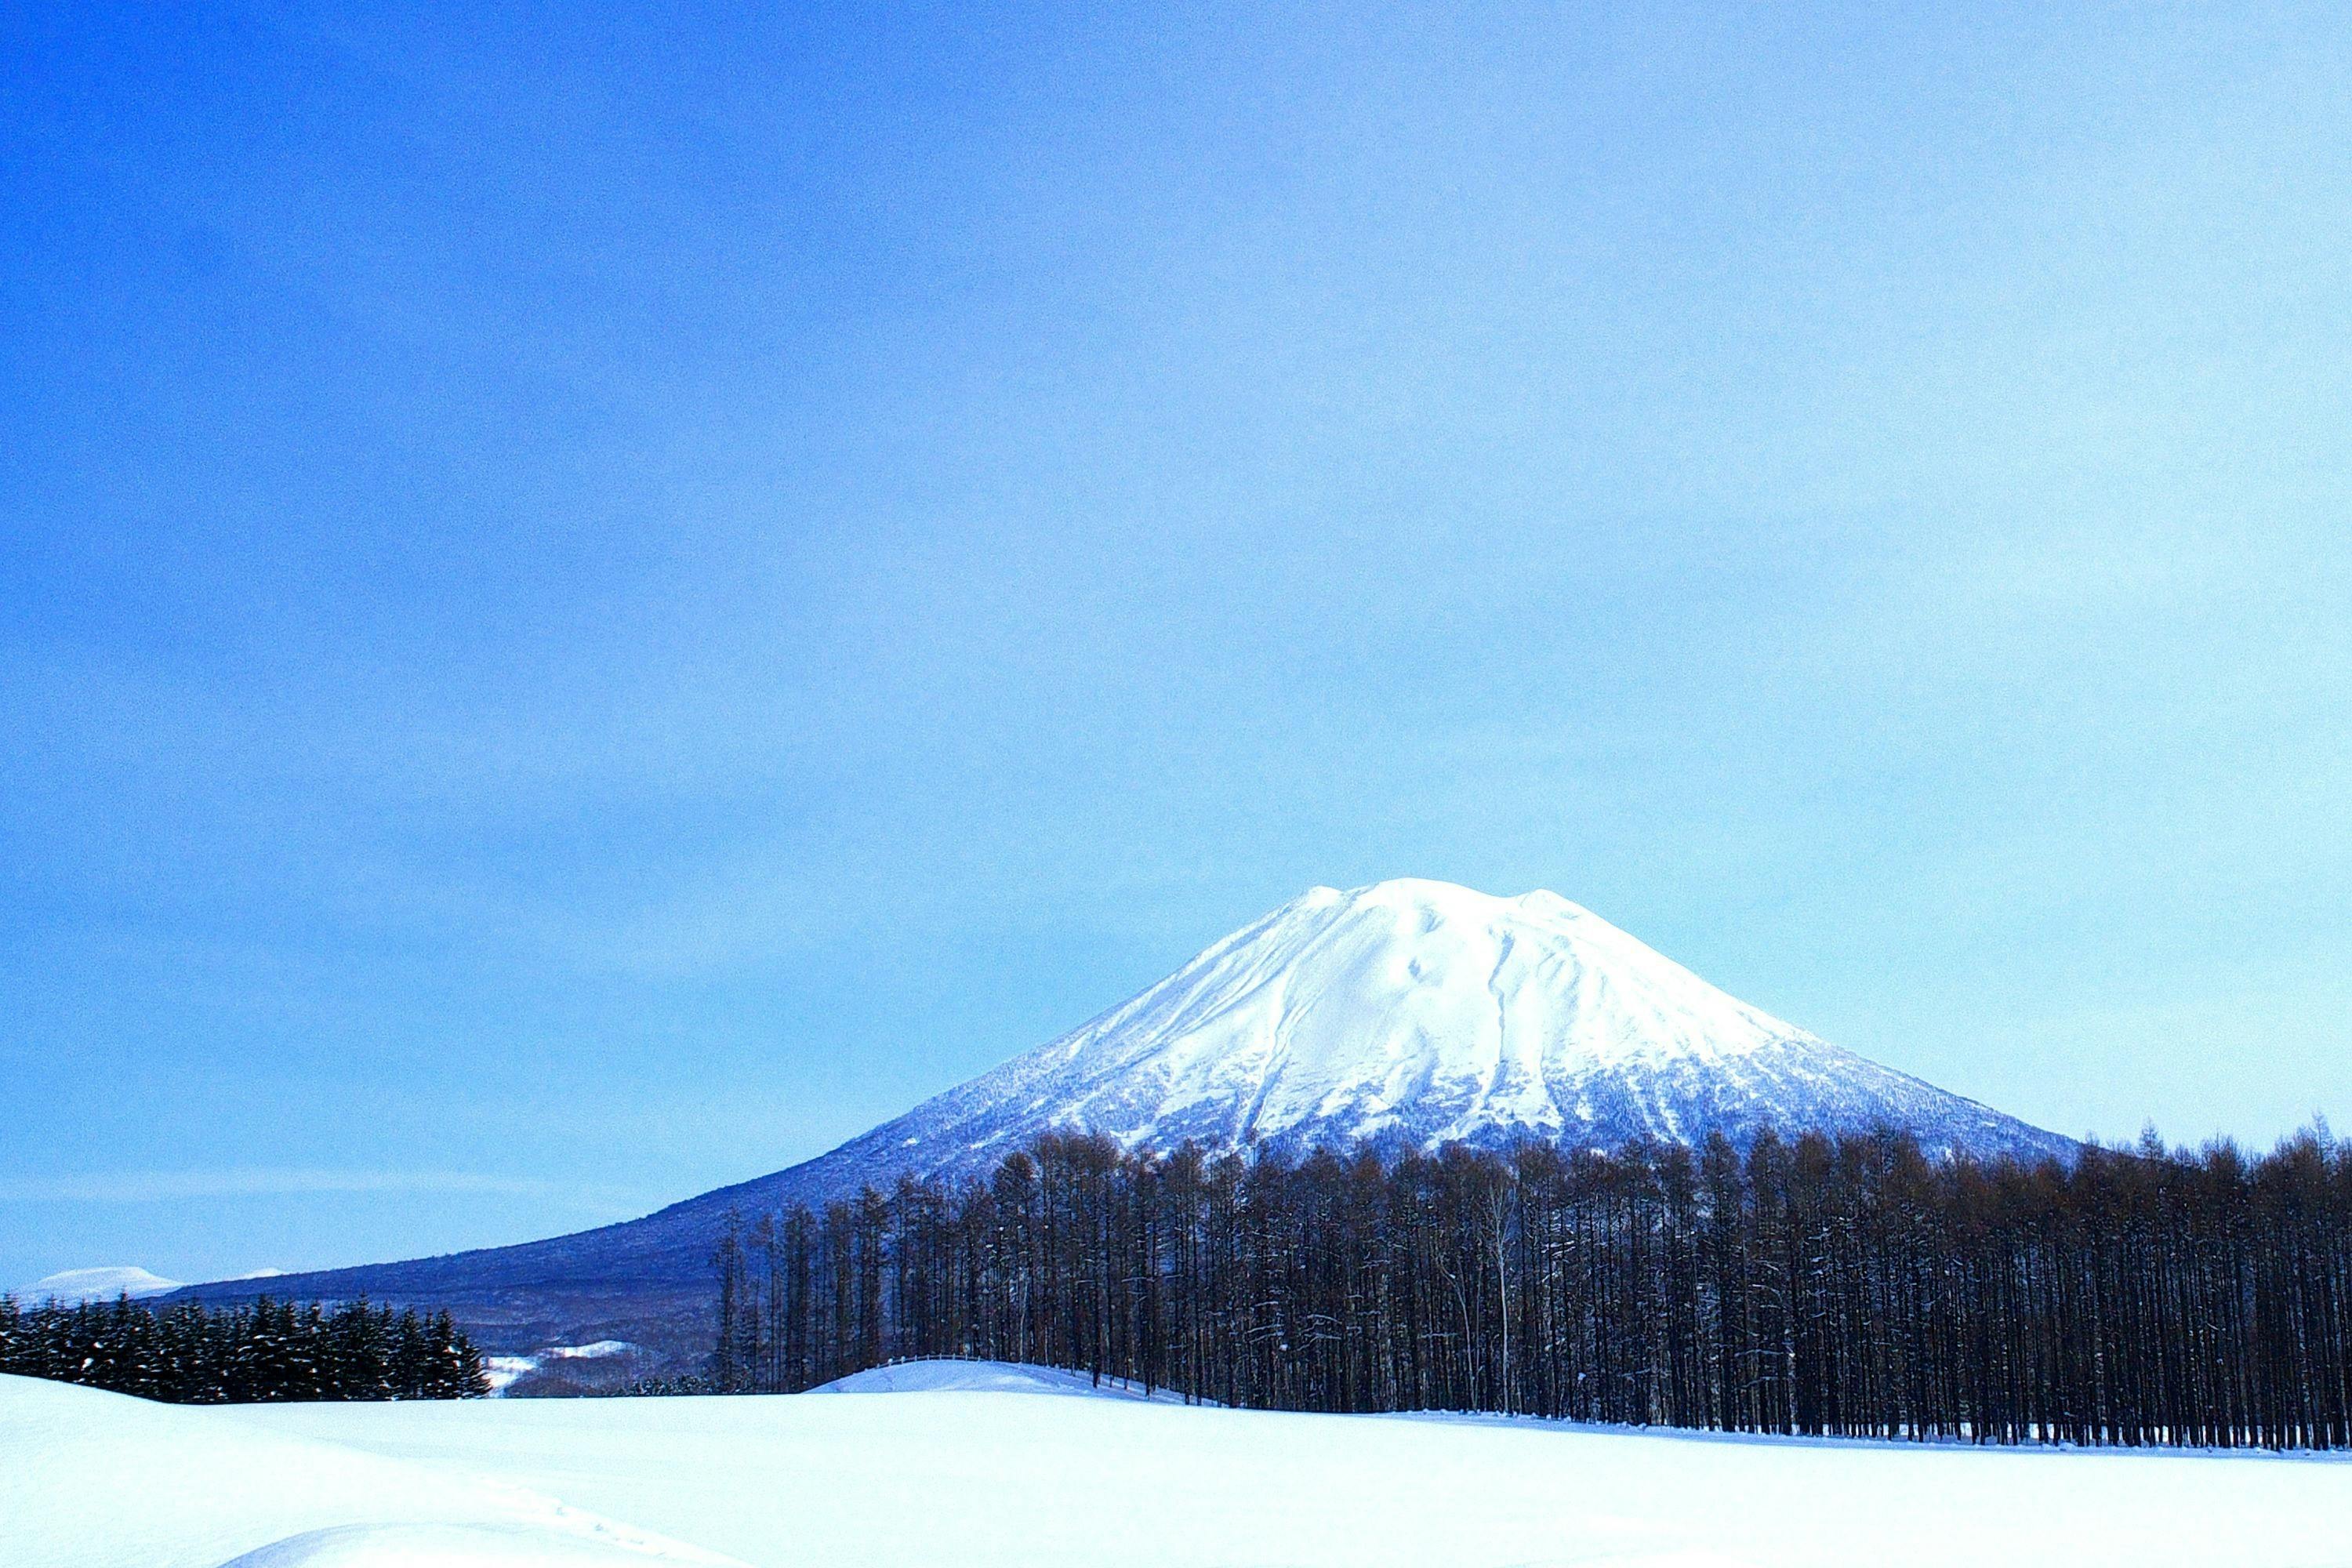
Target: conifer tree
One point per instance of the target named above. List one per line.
(270, 1350)
(1845, 1285)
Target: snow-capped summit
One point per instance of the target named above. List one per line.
(1416, 1013)
(1408, 1009)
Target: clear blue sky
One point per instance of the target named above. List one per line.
(588, 607)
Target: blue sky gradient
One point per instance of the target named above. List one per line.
(590, 606)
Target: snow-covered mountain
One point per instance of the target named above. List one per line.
(75, 1285)
(1414, 1014)
(1409, 1014)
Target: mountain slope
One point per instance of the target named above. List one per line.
(1408, 1014)
(1414, 1013)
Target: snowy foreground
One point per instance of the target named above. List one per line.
(959, 1463)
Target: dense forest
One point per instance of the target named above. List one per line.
(186, 1354)
(1848, 1286)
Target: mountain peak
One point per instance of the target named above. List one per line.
(1434, 902)
(1413, 1012)
(1450, 899)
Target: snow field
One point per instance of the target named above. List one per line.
(959, 1463)
(91, 1479)
(975, 1469)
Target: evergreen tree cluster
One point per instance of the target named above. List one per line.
(1830, 1285)
(188, 1354)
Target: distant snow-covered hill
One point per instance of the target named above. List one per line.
(73, 1285)
(1408, 1014)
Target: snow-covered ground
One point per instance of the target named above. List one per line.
(964, 1463)
(101, 1480)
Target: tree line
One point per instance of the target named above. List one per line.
(186, 1353)
(1847, 1286)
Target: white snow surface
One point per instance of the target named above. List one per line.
(986, 1378)
(73, 1285)
(1354, 1005)
(440, 1546)
(89, 1480)
(970, 1472)
(1412, 1014)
